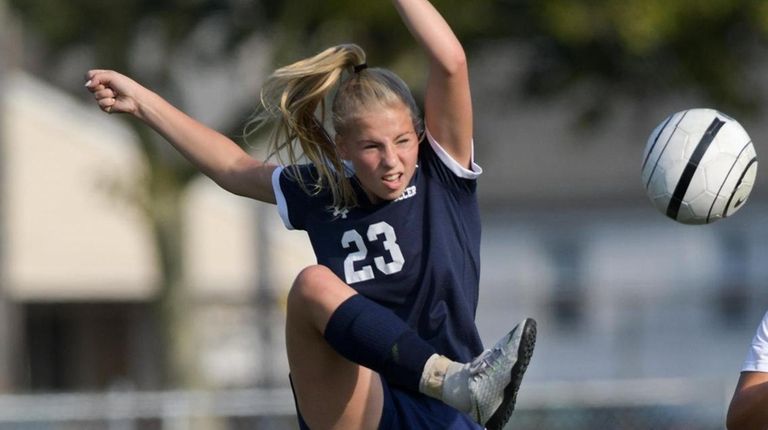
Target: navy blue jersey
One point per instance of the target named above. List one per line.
(418, 255)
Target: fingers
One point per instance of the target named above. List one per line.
(110, 89)
(102, 92)
(105, 96)
(106, 104)
(96, 81)
(96, 76)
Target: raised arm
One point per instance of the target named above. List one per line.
(213, 153)
(447, 104)
(749, 406)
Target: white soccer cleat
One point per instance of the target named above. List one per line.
(496, 374)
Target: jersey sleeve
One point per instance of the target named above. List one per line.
(293, 201)
(447, 170)
(757, 356)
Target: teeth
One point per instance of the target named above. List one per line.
(391, 177)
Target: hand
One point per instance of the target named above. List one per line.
(114, 92)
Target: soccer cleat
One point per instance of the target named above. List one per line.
(496, 374)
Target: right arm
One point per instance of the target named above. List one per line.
(447, 103)
(212, 153)
(749, 406)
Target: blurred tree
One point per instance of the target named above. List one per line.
(5, 325)
(643, 48)
(633, 49)
(110, 33)
(8, 313)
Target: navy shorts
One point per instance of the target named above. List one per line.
(408, 410)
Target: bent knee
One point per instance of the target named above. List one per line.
(314, 274)
(317, 285)
(310, 282)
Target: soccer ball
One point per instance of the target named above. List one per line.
(699, 166)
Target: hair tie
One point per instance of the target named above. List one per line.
(360, 67)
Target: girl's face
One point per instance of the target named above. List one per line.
(382, 145)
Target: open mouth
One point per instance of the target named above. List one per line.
(392, 181)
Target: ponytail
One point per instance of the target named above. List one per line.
(294, 100)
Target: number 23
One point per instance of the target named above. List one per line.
(366, 272)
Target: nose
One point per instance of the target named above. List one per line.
(389, 156)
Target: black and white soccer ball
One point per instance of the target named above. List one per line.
(699, 166)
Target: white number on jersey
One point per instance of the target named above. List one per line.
(366, 272)
(350, 273)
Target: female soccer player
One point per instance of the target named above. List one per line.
(749, 406)
(380, 333)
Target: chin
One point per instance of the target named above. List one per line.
(394, 195)
(388, 196)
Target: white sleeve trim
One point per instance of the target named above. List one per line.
(282, 205)
(453, 165)
(757, 356)
(755, 366)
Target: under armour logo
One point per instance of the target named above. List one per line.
(342, 212)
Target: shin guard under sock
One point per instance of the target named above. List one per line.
(371, 335)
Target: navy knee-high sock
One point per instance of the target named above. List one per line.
(371, 335)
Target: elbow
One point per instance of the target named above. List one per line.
(246, 177)
(230, 177)
(452, 63)
(457, 63)
(228, 185)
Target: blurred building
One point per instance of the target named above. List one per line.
(79, 265)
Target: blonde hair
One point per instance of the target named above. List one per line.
(294, 102)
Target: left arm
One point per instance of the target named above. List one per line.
(749, 406)
(447, 104)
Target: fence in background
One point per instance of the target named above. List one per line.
(657, 404)
(640, 404)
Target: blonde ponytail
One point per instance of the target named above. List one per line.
(294, 100)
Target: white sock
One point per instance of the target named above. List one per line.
(446, 380)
